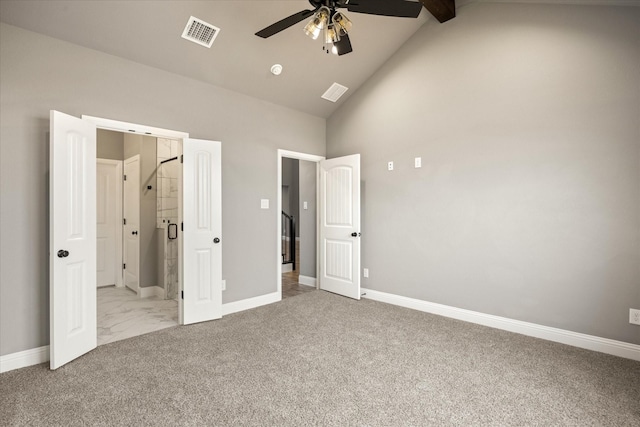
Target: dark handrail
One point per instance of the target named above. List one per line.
(291, 222)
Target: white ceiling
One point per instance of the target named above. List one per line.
(149, 32)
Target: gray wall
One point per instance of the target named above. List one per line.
(80, 81)
(307, 218)
(528, 202)
(110, 145)
(146, 147)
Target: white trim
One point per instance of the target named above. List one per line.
(589, 342)
(125, 127)
(299, 156)
(307, 281)
(22, 359)
(249, 303)
(151, 291)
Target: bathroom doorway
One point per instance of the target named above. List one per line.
(137, 245)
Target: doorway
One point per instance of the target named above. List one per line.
(140, 295)
(73, 237)
(297, 255)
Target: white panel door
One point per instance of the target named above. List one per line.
(131, 255)
(340, 225)
(72, 224)
(202, 236)
(108, 217)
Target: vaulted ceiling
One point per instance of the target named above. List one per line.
(149, 32)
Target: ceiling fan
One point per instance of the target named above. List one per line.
(335, 26)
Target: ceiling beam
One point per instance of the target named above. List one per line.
(443, 10)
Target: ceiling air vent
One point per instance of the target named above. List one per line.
(334, 92)
(200, 32)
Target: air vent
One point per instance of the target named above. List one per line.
(334, 92)
(200, 32)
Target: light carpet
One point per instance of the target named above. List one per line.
(321, 359)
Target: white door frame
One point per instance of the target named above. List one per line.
(118, 257)
(310, 158)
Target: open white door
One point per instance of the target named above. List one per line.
(109, 220)
(340, 225)
(131, 253)
(72, 223)
(202, 228)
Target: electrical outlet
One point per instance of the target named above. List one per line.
(224, 285)
(365, 272)
(634, 316)
(390, 166)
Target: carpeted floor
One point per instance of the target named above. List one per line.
(321, 359)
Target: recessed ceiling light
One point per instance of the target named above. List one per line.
(276, 69)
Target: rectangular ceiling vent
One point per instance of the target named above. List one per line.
(334, 92)
(200, 32)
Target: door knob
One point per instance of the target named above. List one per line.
(354, 234)
(135, 233)
(62, 253)
(216, 240)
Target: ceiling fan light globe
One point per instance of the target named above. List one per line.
(312, 30)
(331, 34)
(343, 23)
(317, 23)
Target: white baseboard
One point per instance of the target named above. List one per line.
(151, 291)
(249, 303)
(22, 359)
(589, 342)
(306, 280)
(287, 268)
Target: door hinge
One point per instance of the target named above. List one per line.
(181, 158)
(182, 294)
(182, 226)
(125, 177)
(124, 221)
(124, 266)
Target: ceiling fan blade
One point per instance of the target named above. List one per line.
(343, 45)
(400, 8)
(284, 23)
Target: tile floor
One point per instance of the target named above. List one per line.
(122, 314)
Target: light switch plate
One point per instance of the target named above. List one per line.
(305, 205)
(264, 203)
(418, 162)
